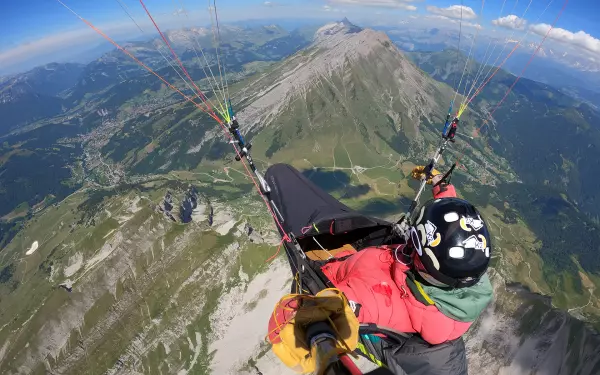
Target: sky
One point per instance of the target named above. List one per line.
(36, 32)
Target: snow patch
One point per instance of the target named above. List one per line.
(3, 350)
(109, 233)
(123, 219)
(199, 213)
(196, 148)
(196, 349)
(223, 221)
(33, 248)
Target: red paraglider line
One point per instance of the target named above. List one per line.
(219, 121)
(519, 76)
(200, 93)
(109, 39)
(276, 253)
(526, 66)
(492, 76)
(231, 140)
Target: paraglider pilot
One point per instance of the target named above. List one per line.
(414, 300)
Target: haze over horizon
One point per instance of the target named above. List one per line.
(40, 32)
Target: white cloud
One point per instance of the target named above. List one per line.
(578, 39)
(271, 4)
(437, 17)
(472, 24)
(400, 4)
(511, 22)
(453, 11)
(328, 8)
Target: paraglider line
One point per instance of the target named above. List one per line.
(458, 50)
(526, 65)
(509, 55)
(521, 74)
(492, 76)
(216, 118)
(469, 56)
(211, 78)
(109, 39)
(486, 58)
(507, 40)
(216, 43)
(203, 96)
(276, 253)
(126, 10)
(224, 75)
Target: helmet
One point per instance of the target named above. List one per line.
(451, 242)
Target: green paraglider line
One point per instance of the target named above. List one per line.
(202, 95)
(187, 98)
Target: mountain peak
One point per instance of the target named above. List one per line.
(347, 22)
(342, 27)
(339, 54)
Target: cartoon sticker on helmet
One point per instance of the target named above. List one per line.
(477, 242)
(433, 238)
(466, 223)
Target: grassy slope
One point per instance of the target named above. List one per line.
(334, 127)
(139, 307)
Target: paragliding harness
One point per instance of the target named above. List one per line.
(310, 220)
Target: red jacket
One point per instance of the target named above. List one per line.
(378, 283)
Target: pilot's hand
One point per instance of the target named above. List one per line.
(418, 173)
(294, 314)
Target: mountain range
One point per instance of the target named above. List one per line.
(572, 73)
(111, 177)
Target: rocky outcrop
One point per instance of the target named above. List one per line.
(182, 206)
(522, 333)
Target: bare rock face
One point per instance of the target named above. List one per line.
(341, 52)
(188, 205)
(521, 333)
(181, 205)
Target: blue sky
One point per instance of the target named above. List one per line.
(39, 30)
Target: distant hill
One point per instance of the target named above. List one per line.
(95, 187)
(49, 109)
(557, 136)
(558, 66)
(36, 94)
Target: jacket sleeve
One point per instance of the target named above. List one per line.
(444, 191)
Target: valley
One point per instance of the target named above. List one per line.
(138, 206)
